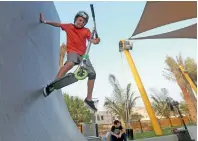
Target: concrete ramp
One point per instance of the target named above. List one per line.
(29, 53)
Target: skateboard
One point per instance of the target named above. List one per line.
(68, 79)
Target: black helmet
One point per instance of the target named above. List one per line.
(82, 14)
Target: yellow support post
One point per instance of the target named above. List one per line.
(188, 79)
(144, 96)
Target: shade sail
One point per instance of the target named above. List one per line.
(159, 13)
(187, 32)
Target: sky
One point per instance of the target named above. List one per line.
(116, 21)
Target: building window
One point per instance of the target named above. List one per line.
(102, 118)
(98, 117)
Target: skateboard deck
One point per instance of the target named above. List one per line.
(64, 81)
(60, 83)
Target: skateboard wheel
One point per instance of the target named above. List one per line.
(81, 74)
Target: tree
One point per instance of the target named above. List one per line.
(121, 98)
(78, 111)
(191, 67)
(138, 117)
(160, 105)
(174, 73)
(184, 109)
(62, 54)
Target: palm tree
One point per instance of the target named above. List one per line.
(174, 73)
(160, 105)
(138, 117)
(62, 54)
(191, 67)
(184, 109)
(122, 101)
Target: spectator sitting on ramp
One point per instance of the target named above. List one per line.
(117, 132)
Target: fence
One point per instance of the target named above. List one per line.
(146, 125)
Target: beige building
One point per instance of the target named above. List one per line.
(105, 117)
(142, 111)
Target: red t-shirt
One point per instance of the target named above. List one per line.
(76, 38)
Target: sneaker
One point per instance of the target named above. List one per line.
(90, 104)
(46, 91)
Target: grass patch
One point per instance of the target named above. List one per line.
(150, 134)
(143, 135)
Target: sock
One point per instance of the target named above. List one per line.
(88, 99)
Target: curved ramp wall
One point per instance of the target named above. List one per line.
(29, 53)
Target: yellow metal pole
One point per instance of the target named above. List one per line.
(188, 79)
(144, 96)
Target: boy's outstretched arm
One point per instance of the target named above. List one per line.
(49, 22)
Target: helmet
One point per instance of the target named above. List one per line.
(82, 14)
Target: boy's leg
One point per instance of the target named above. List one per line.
(64, 69)
(113, 138)
(72, 59)
(90, 85)
(124, 137)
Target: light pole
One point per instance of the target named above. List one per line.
(95, 100)
(175, 105)
(185, 73)
(125, 46)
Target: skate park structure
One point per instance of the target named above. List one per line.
(28, 61)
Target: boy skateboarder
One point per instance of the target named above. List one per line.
(77, 35)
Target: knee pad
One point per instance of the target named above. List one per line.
(92, 76)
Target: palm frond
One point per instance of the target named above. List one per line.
(168, 76)
(159, 102)
(116, 104)
(112, 106)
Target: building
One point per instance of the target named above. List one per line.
(105, 117)
(142, 111)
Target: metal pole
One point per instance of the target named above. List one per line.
(188, 79)
(144, 96)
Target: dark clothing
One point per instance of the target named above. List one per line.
(116, 130)
(123, 138)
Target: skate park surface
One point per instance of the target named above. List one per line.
(29, 57)
(28, 61)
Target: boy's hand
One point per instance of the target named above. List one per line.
(97, 40)
(117, 136)
(48, 22)
(42, 18)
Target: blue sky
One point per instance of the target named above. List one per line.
(116, 21)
